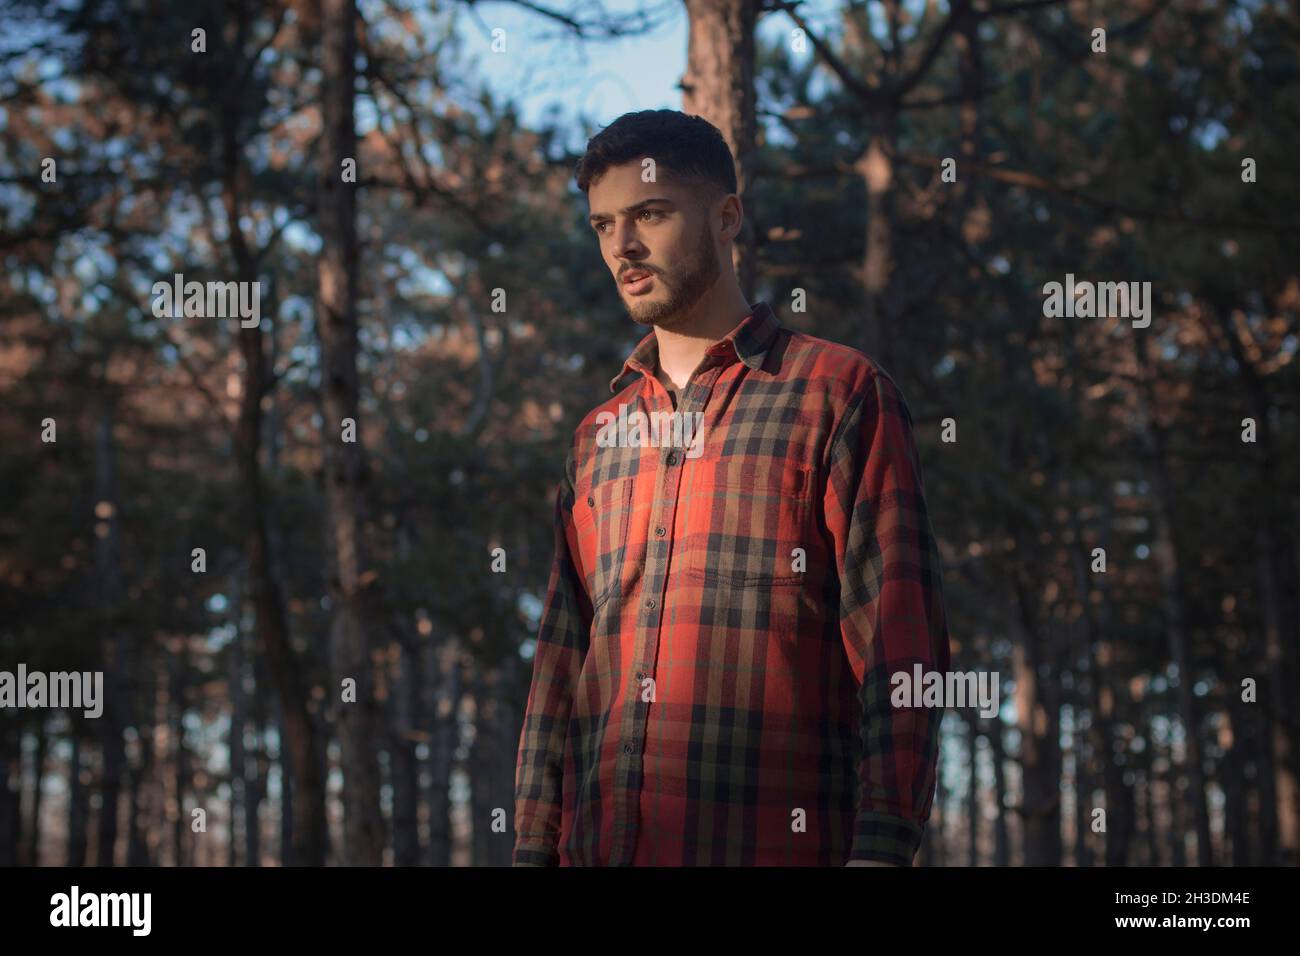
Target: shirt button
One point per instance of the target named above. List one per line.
(640, 675)
(659, 532)
(672, 458)
(591, 501)
(650, 603)
(627, 748)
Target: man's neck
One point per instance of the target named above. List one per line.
(682, 348)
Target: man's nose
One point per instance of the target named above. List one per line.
(626, 243)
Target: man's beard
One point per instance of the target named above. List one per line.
(684, 293)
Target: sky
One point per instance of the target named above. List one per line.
(545, 68)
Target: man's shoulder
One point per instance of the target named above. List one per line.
(843, 371)
(604, 412)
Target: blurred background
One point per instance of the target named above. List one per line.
(1116, 505)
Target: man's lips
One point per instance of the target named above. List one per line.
(637, 281)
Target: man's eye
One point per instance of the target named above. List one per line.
(655, 215)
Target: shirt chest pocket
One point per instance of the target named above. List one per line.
(601, 516)
(747, 524)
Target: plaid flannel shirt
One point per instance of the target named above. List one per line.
(711, 679)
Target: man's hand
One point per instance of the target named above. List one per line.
(869, 863)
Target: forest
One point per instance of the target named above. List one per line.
(300, 517)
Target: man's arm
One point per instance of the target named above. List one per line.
(891, 614)
(562, 643)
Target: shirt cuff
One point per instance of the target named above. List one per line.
(536, 855)
(889, 839)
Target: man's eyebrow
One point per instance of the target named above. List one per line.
(629, 209)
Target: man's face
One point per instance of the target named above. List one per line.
(657, 240)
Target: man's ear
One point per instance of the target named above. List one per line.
(731, 213)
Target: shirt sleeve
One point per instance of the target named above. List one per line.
(891, 614)
(562, 642)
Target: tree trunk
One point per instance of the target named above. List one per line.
(1236, 812)
(257, 764)
(1262, 753)
(236, 735)
(932, 849)
(1095, 620)
(1083, 800)
(1149, 807)
(1283, 813)
(32, 849)
(478, 764)
(140, 821)
(1177, 818)
(443, 665)
(178, 664)
(288, 784)
(506, 722)
(408, 724)
(973, 796)
(345, 467)
(1279, 592)
(876, 166)
(719, 86)
(997, 752)
(11, 776)
(108, 593)
(1037, 711)
(1169, 566)
(78, 806)
(297, 730)
(406, 731)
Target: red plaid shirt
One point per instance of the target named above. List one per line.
(711, 681)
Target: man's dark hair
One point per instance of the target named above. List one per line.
(688, 147)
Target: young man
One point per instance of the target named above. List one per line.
(711, 684)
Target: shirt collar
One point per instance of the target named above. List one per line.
(749, 342)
